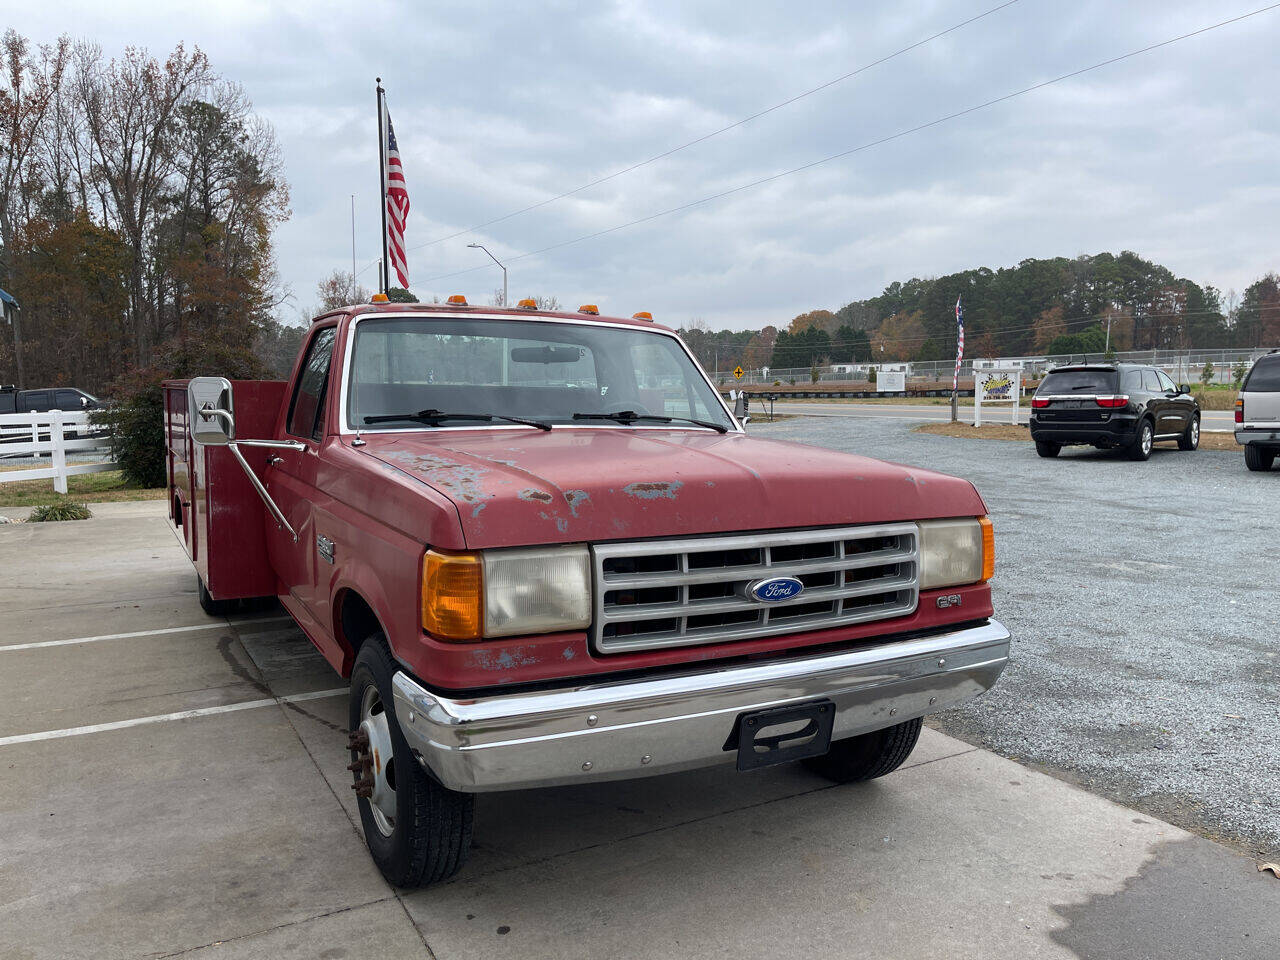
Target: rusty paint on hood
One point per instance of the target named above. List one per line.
(575, 485)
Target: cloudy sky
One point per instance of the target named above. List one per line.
(497, 106)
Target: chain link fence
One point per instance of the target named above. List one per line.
(1183, 366)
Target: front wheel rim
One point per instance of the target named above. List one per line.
(1147, 439)
(1195, 432)
(375, 724)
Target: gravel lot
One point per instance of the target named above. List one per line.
(1142, 601)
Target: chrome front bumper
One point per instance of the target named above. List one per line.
(614, 731)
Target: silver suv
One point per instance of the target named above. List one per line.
(1258, 413)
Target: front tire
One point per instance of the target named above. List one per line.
(1140, 449)
(1190, 438)
(417, 831)
(1047, 448)
(1257, 458)
(868, 756)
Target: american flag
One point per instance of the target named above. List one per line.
(955, 377)
(397, 194)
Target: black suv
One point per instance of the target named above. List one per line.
(1113, 405)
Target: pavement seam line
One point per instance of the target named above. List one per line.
(41, 644)
(166, 717)
(357, 830)
(265, 930)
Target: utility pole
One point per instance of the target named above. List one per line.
(1108, 348)
(353, 244)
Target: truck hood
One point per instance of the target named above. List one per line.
(574, 485)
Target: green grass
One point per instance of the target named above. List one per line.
(108, 486)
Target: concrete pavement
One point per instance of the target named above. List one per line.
(231, 833)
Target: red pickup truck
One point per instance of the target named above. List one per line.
(545, 551)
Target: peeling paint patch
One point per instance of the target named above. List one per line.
(479, 506)
(653, 489)
(576, 498)
(459, 480)
(535, 495)
(501, 660)
(569, 653)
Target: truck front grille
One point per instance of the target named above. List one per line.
(672, 593)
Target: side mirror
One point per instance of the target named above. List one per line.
(210, 411)
(740, 406)
(1184, 388)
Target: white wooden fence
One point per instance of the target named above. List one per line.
(46, 434)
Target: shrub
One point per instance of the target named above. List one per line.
(871, 376)
(135, 417)
(63, 509)
(1238, 374)
(1206, 375)
(815, 374)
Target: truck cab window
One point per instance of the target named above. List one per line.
(306, 411)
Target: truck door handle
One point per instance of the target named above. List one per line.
(273, 460)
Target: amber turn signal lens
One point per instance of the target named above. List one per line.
(988, 548)
(453, 596)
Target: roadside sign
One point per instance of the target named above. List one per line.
(737, 373)
(996, 386)
(891, 381)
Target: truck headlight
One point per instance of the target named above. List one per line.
(501, 593)
(956, 552)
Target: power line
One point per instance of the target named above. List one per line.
(715, 133)
(867, 146)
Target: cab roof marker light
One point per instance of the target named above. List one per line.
(379, 298)
(527, 304)
(457, 300)
(643, 315)
(589, 308)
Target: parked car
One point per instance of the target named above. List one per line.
(67, 399)
(1258, 413)
(1121, 405)
(537, 570)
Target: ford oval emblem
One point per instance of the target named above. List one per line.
(776, 588)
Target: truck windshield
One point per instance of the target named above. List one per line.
(529, 369)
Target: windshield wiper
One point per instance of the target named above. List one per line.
(1085, 386)
(630, 416)
(433, 417)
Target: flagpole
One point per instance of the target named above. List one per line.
(382, 186)
(955, 376)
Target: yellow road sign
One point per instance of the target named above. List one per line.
(737, 373)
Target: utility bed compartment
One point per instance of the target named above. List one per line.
(215, 511)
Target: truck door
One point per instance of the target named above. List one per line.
(290, 478)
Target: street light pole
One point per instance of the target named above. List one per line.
(477, 246)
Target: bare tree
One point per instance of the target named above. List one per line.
(129, 107)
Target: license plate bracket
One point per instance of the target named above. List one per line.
(764, 738)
